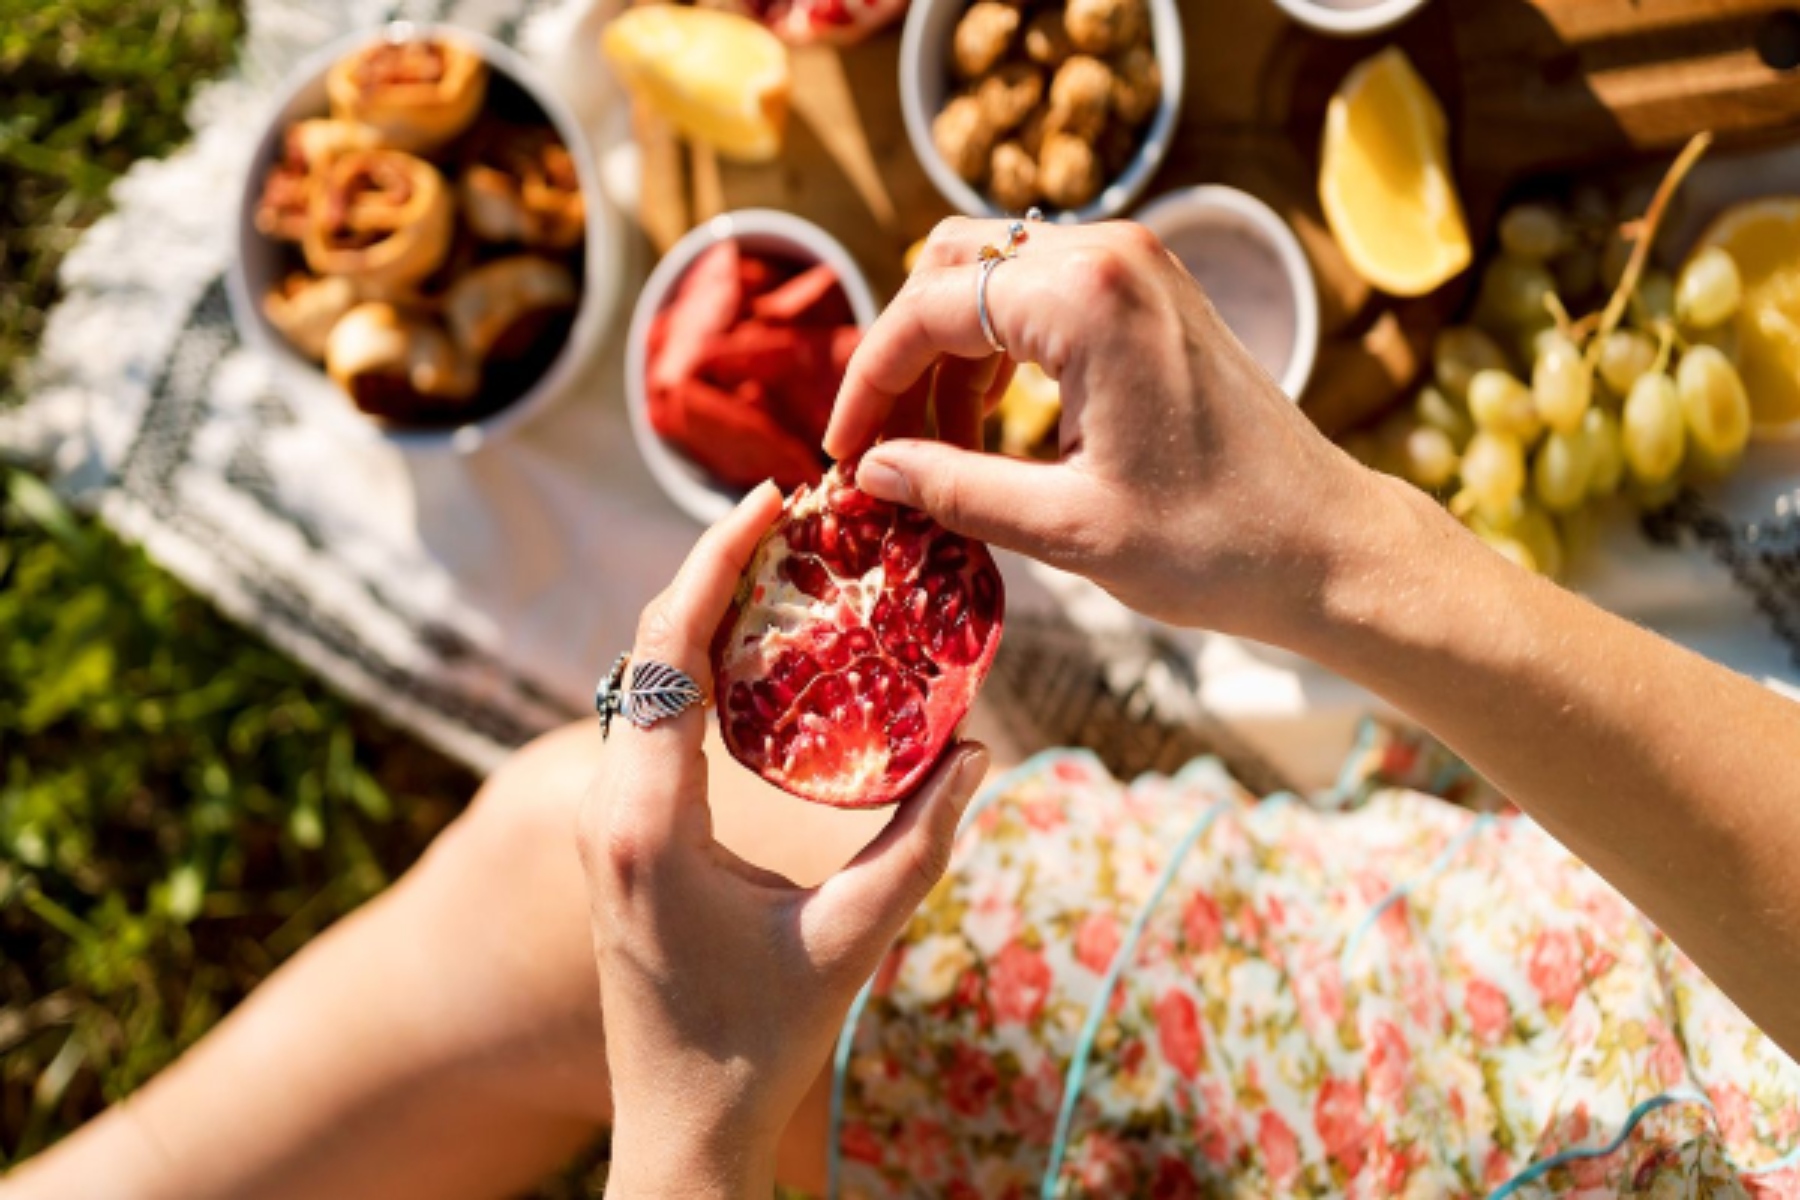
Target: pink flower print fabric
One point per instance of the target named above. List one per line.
(1397, 997)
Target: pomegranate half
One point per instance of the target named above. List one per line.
(854, 646)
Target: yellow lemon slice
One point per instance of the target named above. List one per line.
(717, 77)
(1763, 238)
(1384, 179)
(1029, 410)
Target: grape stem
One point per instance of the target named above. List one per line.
(1645, 231)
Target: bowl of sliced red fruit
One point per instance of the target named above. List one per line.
(736, 350)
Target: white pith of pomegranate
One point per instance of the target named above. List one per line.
(856, 642)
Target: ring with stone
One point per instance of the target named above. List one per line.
(657, 691)
(989, 261)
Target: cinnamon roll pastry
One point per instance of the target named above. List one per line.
(381, 218)
(396, 366)
(287, 189)
(305, 309)
(503, 310)
(519, 185)
(416, 93)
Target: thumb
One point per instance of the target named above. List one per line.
(856, 913)
(1033, 508)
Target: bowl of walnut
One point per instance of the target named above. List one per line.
(423, 250)
(1068, 105)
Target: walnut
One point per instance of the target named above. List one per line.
(1068, 171)
(1012, 178)
(1080, 96)
(1031, 133)
(983, 37)
(1137, 85)
(1009, 94)
(1047, 40)
(964, 137)
(1105, 26)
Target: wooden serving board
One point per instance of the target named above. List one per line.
(1529, 86)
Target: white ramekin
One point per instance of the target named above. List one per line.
(258, 262)
(925, 86)
(759, 230)
(1178, 210)
(1350, 22)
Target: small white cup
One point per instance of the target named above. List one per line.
(258, 263)
(761, 231)
(1234, 214)
(1350, 20)
(925, 87)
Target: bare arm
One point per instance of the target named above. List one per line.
(1194, 492)
(1677, 780)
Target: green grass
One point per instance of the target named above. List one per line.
(180, 807)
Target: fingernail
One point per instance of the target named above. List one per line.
(969, 774)
(885, 482)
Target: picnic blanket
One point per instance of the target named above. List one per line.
(474, 598)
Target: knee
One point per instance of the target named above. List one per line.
(526, 809)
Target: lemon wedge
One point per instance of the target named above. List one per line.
(1384, 179)
(719, 78)
(1763, 238)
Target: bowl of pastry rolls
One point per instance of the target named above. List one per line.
(423, 245)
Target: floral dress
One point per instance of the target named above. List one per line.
(1169, 988)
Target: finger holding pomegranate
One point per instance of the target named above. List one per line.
(723, 985)
(1188, 485)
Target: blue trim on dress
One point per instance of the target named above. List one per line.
(1544, 1166)
(1443, 860)
(840, 1061)
(1090, 1028)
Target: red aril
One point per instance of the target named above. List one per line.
(856, 642)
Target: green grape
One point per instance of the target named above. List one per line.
(1714, 402)
(1654, 432)
(1502, 404)
(1510, 548)
(1460, 351)
(1709, 290)
(1427, 457)
(1624, 355)
(1562, 385)
(1437, 410)
(1537, 533)
(1512, 295)
(1533, 344)
(1655, 298)
(1533, 232)
(1493, 472)
(1560, 470)
(1606, 455)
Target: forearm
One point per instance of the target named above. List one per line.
(1676, 779)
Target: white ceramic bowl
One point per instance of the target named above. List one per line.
(759, 230)
(259, 262)
(926, 85)
(1346, 21)
(1238, 213)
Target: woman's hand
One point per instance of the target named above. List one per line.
(1189, 486)
(723, 986)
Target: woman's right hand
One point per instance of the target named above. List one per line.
(1188, 486)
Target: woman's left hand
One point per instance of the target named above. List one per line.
(723, 985)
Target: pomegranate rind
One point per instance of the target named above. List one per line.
(854, 646)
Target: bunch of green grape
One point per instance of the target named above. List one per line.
(1532, 421)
